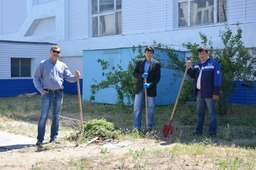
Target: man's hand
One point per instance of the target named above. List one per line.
(146, 85)
(145, 75)
(44, 92)
(188, 64)
(77, 74)
(215, 97)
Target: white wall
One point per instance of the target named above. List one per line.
(12, 15)
(144, 21)
(146, 16)
(73, 63)
(35, 51)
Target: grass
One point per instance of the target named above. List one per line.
(233, 148)
(239, 125)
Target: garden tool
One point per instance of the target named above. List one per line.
(146, 103)
(168, 128)
(81, 114)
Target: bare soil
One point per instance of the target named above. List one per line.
(141, 153)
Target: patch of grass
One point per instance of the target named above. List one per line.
(36, 167)
(137, 154)
(104, 151)
(100, 128)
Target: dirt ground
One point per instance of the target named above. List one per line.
(27, 158)
(20, 152)
(138, 153)
(60, 156)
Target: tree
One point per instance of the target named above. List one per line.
(235, 60)
(119, 79)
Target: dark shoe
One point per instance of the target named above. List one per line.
(39, 143)
(197, 134)
(213, 135)
(54, 140)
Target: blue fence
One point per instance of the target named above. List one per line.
(245, 94)
(15, 87)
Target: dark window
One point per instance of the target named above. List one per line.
(20, 67)
(106, 17)
(201, 12)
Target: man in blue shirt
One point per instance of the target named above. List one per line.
(146, 68)
(48, 80)
(207, 76)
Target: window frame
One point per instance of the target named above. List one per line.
(115, 12)
(20, 70)
(189, 24)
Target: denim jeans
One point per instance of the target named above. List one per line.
(201, 107)
(56, 99)
(138, 102)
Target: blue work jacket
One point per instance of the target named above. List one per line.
(210, 78)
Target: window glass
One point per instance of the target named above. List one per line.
(25, 67)
(106, 17)
(94, 7)
(107, 25)
(222, 9)
(118, 4)
(95, 26)
(106, 5)
(20, 67)
(118, 23)
(201, 12)
(183, 14)
(14, 67)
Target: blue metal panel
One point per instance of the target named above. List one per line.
(244, 94)
(71, 88)
(93, 71)
(167, 88)
(166, 93)
(15, 87)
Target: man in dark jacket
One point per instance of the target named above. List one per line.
(207, 76)
(149, 69)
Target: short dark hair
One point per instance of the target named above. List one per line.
(55, 47)
(203, 48)
(150, 48)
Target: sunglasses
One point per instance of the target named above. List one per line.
(55, 51)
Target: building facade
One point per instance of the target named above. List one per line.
(87, 25)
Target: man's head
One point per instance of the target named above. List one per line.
(55, 52)
(149, 52)
(203, 53)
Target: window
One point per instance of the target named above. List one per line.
(106, 17)
(201, 12)
(20, 67)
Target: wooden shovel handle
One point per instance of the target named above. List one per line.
(178, 96)
(80, 104)
(146, 103)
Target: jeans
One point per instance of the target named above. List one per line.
(56, 99)
(138, 102)
(201, 107)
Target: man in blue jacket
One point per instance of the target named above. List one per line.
(207, 76)
(149, 69)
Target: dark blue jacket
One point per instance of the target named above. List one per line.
(210, 78)
(154, 74)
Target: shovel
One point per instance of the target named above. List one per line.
(146, 103)
(168, 128)
(81, 114)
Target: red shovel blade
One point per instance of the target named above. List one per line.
(168, 130)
